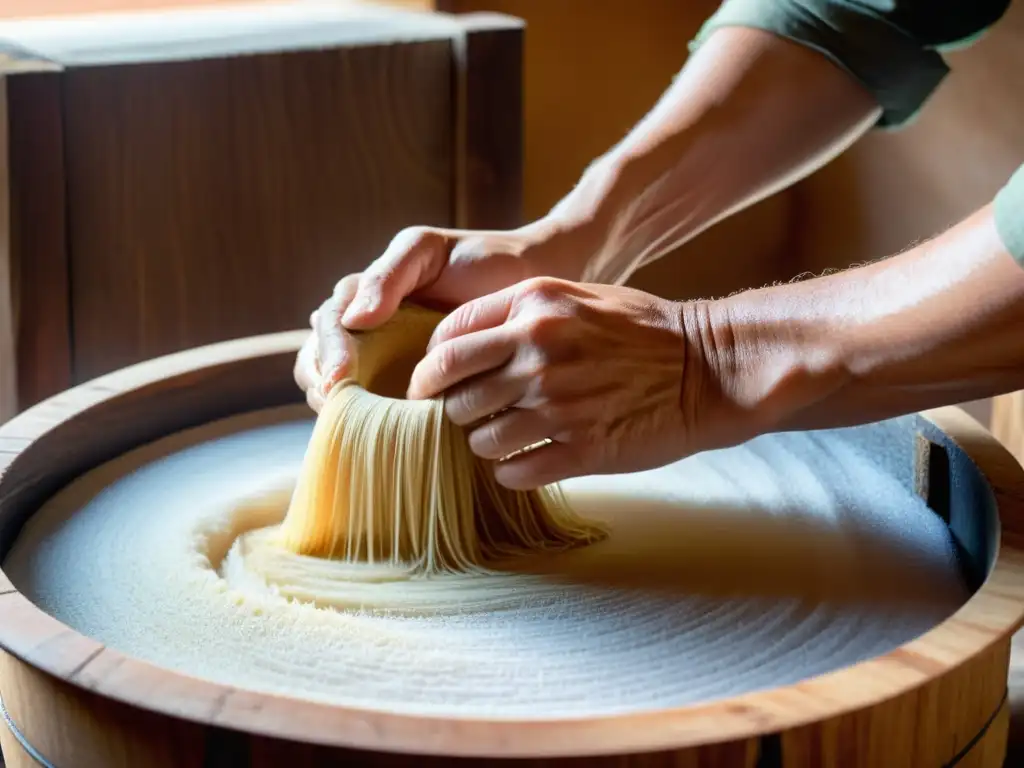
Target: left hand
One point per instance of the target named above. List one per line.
(595, 369)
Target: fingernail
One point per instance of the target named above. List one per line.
(363, 304)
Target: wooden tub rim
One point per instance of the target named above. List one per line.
(989, 617)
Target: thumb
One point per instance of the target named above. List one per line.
(414, 259)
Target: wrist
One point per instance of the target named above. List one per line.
(565, 241)
(756, 363)
(601, 226)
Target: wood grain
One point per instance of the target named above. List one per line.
(489, 121)
(917, 706)
(160, 206)
(39, 251)
(8, 356)
(217, 199)
(1008, 422)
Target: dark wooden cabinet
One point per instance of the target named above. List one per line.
(202, 174)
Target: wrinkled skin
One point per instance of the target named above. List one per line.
(596, 370)
(593, 371)
(436, 267)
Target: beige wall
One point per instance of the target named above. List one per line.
(593, 68)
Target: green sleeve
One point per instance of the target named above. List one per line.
(1009, 214)
(891, 46)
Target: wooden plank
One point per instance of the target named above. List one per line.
(38, 237)
(223, 198)
(489, 122)
(8, 356)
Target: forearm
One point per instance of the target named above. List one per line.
(940, 324)
(749, 114)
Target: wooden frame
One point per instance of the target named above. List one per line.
(123, 228)
(83, 704)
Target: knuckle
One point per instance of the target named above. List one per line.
(458, 320)
(460, 406)
(413, 234)
(543, 288)
(576, 434)
(444, 360)
(376, 277)
(415, 238)
(551, 414)
(545, 384)
(345, 284)
(543, 330)
(485, 441)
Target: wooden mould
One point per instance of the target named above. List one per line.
(940, 700)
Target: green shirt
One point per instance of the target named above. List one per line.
(893, 47)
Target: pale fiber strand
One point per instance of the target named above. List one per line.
(388, 481)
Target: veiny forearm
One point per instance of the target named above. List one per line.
(749, 114)
(940, 324)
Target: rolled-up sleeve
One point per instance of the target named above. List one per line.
(894, 49)
(1009, 215)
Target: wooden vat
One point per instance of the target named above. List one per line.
(186, 175)
(1008, 422)
(939, 700)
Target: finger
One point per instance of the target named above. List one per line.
(413, 259)
(507, 433)
(314, 399)
(446, 365)
(305, 370)
(483, 396)
(332, 341)
(479, 314)
(539, 467)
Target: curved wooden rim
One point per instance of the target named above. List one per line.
(994, 612)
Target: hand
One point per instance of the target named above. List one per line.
(438, 267)
(596, 370)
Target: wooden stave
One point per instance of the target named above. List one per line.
(195, 386)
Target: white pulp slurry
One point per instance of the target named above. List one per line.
(729, 572)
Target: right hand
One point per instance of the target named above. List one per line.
(443, 268)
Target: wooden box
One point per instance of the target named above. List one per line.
(174, 178)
